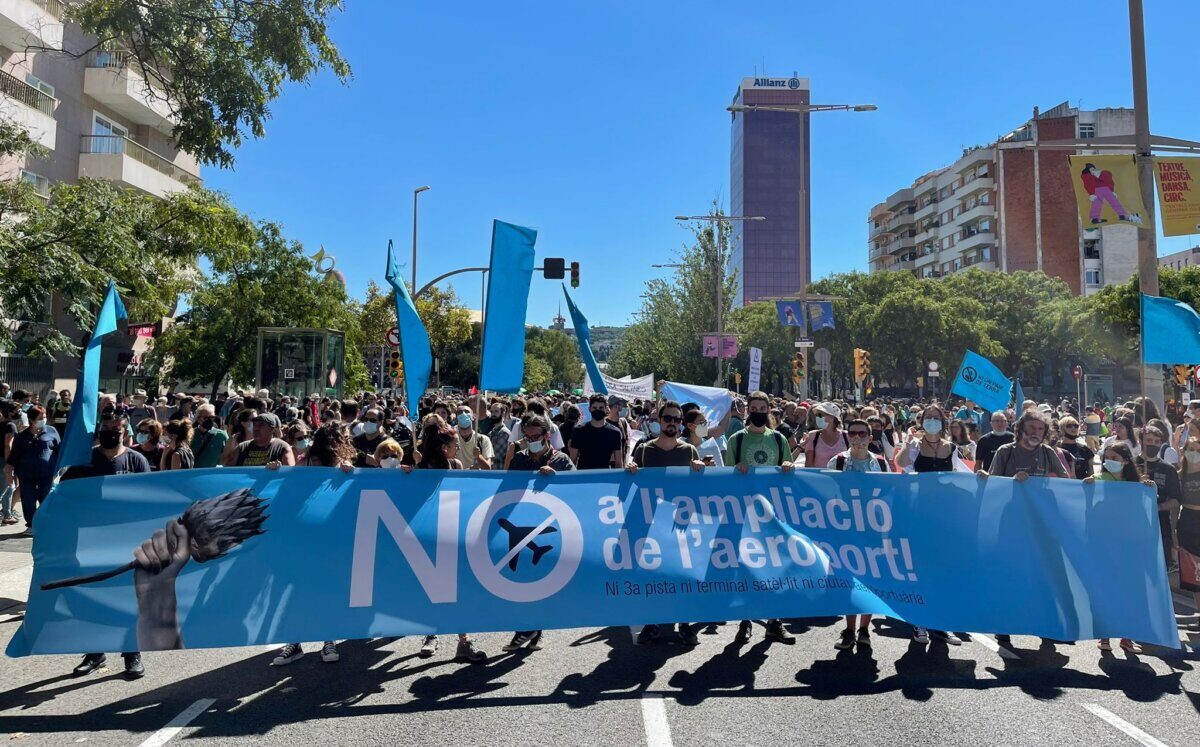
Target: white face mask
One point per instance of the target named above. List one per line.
(933, 427)
(820, 422)
(535, 447)
(1113, 466)
(370, 428)
(39, 424)
(702, 430)
(389, 463)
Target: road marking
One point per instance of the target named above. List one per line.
(991, 644)
(1135, 733)
(164, 735)
(654, 714)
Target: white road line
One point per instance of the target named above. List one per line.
(654, 714)
(992, 645)
(1132, 731)
(164, 735)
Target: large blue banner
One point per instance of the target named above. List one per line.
(306, 554)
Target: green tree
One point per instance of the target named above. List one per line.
(558, 350)
(538, 373)
(218, 64)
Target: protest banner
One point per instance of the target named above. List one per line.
(981, 381)
(1106, 190)
(629, 389)
(1178, 201)
(303, 554)
(752, 381)
(714, 401)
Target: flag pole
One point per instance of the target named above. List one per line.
(1147, 231)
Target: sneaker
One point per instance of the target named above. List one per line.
(329, 652)
(648, 634)
(864, 637)
(1104, 645)
(846, 642)
(535, 641)
(744, 631)
(287, 655)
(467, 652)
(90, 663)
(519, 640)
(949, 637)
(9, 521)
(687, 635)
(429, 647)
(133, 666)
(920, 635)
(775, 632)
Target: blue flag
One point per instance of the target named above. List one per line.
(980, 381)
(316, 554)
(582, 334)
(414, 340)
(81, 423)
(509, 275)
(1018, 395)
(1172, 331)
(820, 315)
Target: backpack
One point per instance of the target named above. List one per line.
(780, 443)
(883, 465)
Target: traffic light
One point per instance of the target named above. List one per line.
(866, 363)
(1181, 375)
(394, 368)
(862, 364)
(574, 274)
(797, 368)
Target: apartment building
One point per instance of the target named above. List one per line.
(97, 117)
(1005, 207)
(1180, 260)
(94, 113)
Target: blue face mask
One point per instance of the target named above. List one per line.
(464, 420)
(303, 444)
(143, 439)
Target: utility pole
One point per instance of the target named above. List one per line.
(1151, 376)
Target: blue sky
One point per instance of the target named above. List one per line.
(597, 123)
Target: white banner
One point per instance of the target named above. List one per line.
(752, 380)
(630, 389)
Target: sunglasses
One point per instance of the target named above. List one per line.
(371, 420)
(669, 419)
(858, 434)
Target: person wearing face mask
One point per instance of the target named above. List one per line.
(1073, 444)
(695, 432)
(31, 459)
(178, 453)
(1119, 465)
(536, 455)
(1166, 482)
(1000, 435)
(474, 448)
(597, 444)
(139, 410)
(828, 440)
(757, 445)
(571, 416)
(368, 440)
(147, 441)
(389, 455)
(208, 438)
(299, 437)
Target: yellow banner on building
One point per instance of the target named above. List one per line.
(1106, 190)
(1178, 198)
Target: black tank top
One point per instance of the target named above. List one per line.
(933, 464)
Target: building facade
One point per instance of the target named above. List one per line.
(96, 116)
(1005, 207)
(1180, 260)
(769, 177)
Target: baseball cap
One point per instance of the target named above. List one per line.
(616, 401)
(267, 417)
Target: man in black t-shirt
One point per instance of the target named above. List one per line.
(596, 445)
(987, 446)
(110, 457)
(1166, 479)
(266, 446)
(368, 441)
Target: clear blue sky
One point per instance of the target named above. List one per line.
(596, 123)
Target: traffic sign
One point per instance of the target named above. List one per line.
(805, 342)
(934, 374)
(289, 373)
(933, 366)
(1077, 372)
(393, 337)
(822, 356)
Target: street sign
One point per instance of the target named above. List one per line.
(1077, 372)
(933, 366)
(393, 337)
(805, 342)
(289, 373)
(934, 374)
(822, 356)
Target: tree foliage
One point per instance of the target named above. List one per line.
(559, 351)
(218, 64)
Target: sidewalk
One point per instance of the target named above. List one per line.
(16, 569)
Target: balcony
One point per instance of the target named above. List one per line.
(898, 198)
(111, 79)
(31, 23)
(974, 241)
(976, 184)
(30, 108)
(926, 211)
(975, 213)
(121, 160)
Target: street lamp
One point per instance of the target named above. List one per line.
(802, 109)
(416, 192)
(720, 271)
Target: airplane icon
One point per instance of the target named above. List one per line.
(519, 537)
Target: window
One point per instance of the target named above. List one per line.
(1091, 249)
(985, 254)
(1087, 131)
(105, 127)
(39, 84)
(1092, 277)
(41, 184)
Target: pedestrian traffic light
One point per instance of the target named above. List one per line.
(394, 368)
(574, 274)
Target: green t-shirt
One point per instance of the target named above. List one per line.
(207, 447)
(758, 449)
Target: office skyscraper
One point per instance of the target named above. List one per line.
(769, 177)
